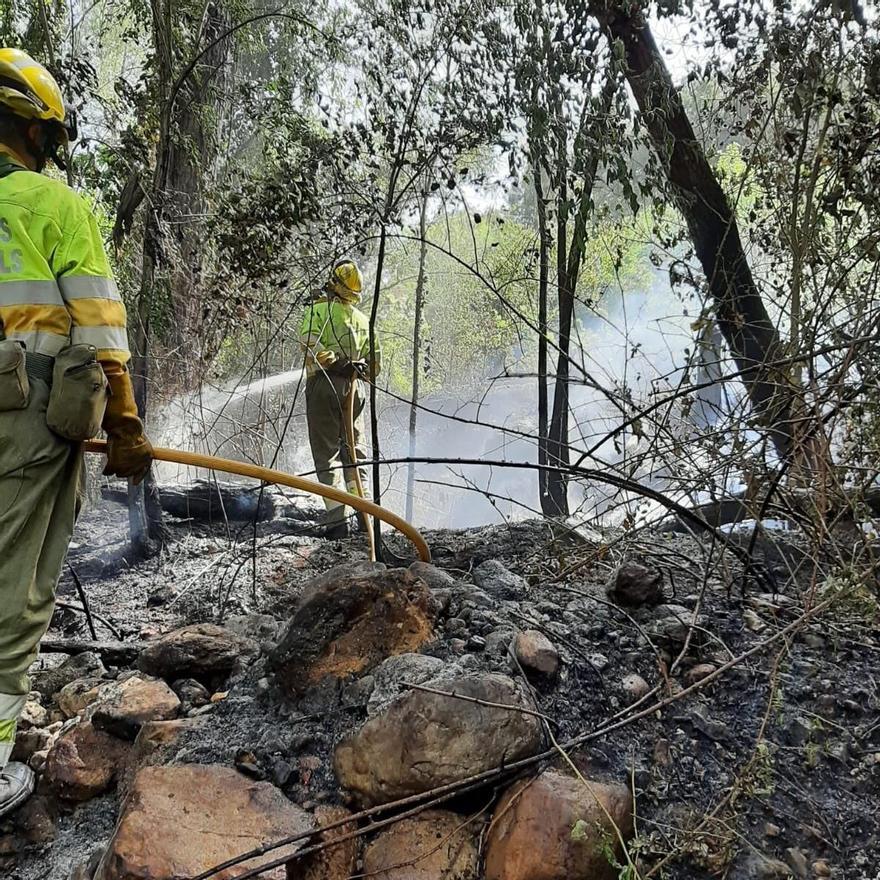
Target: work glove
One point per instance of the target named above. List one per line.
(325, 358)
(129, 453)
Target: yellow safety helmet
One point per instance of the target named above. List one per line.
(28, 90)
(346, 280)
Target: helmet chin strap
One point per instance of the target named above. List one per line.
(341, 292)
(58, 156)
(41, 153)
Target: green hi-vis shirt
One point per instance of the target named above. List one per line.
(56, 286)
(337, 326)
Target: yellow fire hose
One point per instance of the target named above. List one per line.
(267, 475)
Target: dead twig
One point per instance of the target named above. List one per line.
(85, 602)
(70, 606)
(115, 653)
(478, 702)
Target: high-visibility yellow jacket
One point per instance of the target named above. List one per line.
(330, 324)
(56, 286)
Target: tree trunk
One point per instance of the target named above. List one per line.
(557, 445)
(206, 501)
(543, 283)
(146, 529)
(587, 155)
(416, 354)
(172, 244)
(192, 150)
(374, 413)
(742, 316)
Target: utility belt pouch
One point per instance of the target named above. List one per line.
(79, 394)
(14, 384)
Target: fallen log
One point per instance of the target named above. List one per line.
(114, 653)
(208, 501)
(717, 513)
(737, 508)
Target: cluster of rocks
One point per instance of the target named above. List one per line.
(430, 722)
(380, 686)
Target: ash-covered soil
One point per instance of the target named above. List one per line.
(775, 763)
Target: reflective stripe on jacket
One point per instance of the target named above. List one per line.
(337, 326)
(56, 286)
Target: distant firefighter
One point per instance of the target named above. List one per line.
(63, 377)
(336, 339)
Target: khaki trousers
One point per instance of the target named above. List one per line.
(40, 476)
(326, 411)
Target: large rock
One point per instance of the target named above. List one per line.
(179, 821)
(499, 582)
(32, 824)
(435, 845)
(86, 665)
(434, 577)
(635, 584)
(338, 862)
(423, 740)
(557, 828)
(348, 621)
(123, 707)
(84, 762)
(203, 651)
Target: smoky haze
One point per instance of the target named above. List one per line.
(640, 340)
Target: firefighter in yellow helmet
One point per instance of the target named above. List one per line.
(63, 376)
(336, 340)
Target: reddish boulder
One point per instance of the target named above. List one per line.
(556, 827)
(423, 740)
(203, 651)
(84, 763)
(157, 743)
(179, 821)
(348, 621)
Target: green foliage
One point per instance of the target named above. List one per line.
(477, 274)
(739, 184)
(850, 590)
(481, 287)
(761, 780)
(608, 846)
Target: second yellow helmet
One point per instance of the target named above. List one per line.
(346, 280)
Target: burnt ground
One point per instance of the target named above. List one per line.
(777, 758)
